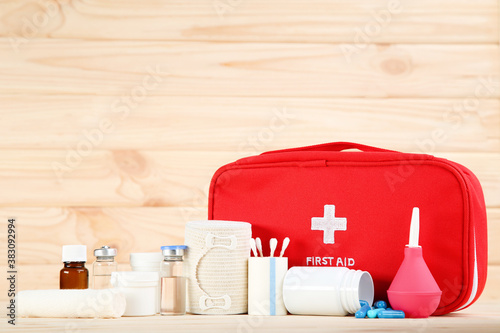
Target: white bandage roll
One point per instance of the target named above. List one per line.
(217, 266)
(71, 303)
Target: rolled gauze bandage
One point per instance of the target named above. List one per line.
(71, 303)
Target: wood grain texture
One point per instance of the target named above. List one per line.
(483, 317)
(325, 21)
(248, 124)
(148, 178)
(42, 231)
(494, 236)
(108, 178)
(55, 66)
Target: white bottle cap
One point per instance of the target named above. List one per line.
(146, 261)
(146, 257)
(74, 253)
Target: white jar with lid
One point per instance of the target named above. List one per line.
(148, 262)
(330, 291)
(139, 289)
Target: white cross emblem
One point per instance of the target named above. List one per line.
(329, 224)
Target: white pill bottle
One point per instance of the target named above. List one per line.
(329, 291)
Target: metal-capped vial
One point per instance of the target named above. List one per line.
(105, 251)
(173, 250)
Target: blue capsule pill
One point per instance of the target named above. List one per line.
(363, 303)
(361, 313)
(391, 314)
(373, 313)
(380, 304)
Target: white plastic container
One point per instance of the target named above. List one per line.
(148, 262)
(265, 286)
(330, 291)
(140, 290)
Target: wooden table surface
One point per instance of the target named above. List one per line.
(480, 317)
(221, 72)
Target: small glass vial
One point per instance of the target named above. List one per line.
(74, 275)
(173, 281)
(103, 266)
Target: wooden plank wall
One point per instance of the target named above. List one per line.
(115, 115)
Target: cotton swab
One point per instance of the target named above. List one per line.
(273, 243)
(286, 241)
(253, 247)
(258, 242)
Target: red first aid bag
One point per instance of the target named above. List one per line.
(353, 209)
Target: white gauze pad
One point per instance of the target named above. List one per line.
(71, 303)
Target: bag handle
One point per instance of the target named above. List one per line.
(334, 146)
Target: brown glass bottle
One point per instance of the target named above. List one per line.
(74, 275)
